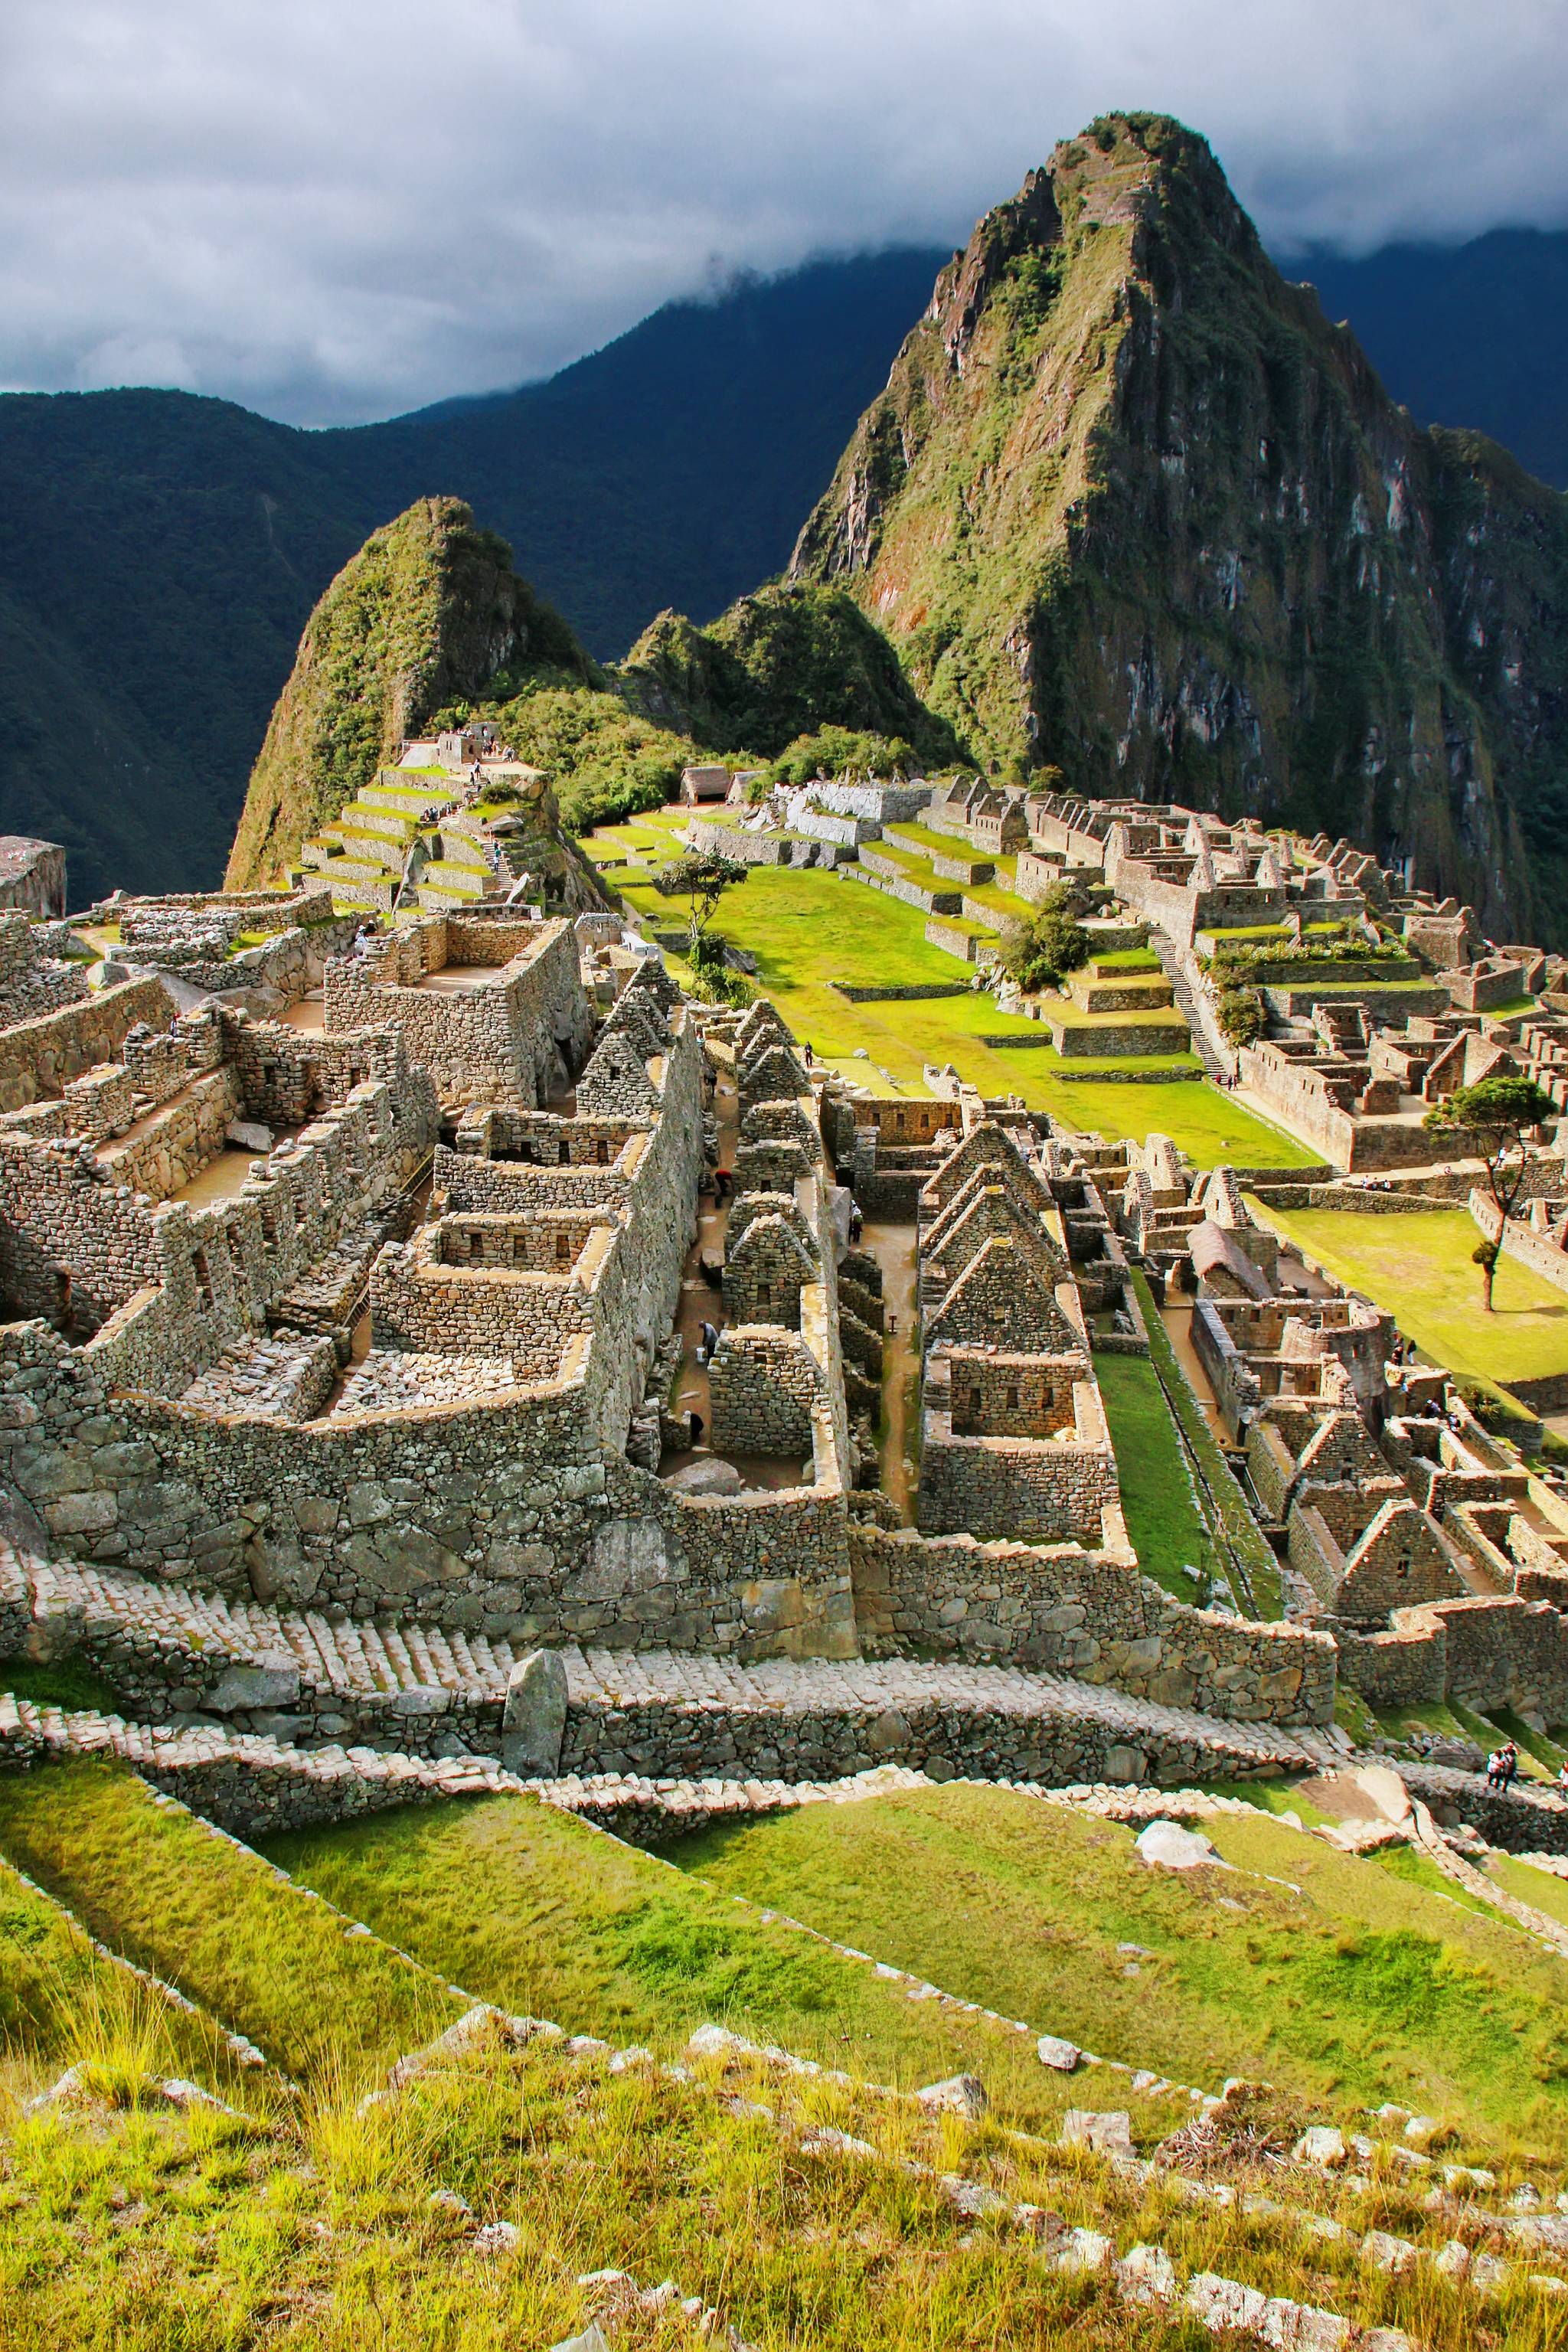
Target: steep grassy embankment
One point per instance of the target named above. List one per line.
(1310, 1969)
(429, 612)
(152, 1882)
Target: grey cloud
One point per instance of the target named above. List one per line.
(336, 211)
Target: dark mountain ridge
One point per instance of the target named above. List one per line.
(160, 553)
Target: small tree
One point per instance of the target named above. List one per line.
(1243, 1016)
(706, 876)
(1489, 1119)
(1053, 942)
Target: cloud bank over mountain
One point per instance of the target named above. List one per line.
(334, 213)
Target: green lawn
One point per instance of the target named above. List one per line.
(1418, 1267)
(927, 841)
(1245, 1539)
(1361, 1986)
(1213, 1129)
(809, 928)
(1163, 1519)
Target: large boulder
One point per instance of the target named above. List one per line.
(533, 1720)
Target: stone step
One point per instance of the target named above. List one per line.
(372, 850)
(411, 799)
(169, 1653)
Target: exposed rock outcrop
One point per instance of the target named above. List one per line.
(1130, 507)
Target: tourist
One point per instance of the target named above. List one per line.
(708, 1340)
(1509, 1764)
(810, 1056)
(1494, 1768)
(1562, 1778)
(857, 1222)
(721, 1184)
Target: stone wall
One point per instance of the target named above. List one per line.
(1079, 1039)
(38, 1057)
(32, 874)
(1522, 1242)
(1489, 1652)
(764, 1386)
(288, 1076)
(1075, 1612)
(521, 1033)
(418, 1300)
(503, 1515)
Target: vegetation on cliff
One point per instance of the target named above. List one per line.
(428, 610)
(1131, 505)
(792, 659)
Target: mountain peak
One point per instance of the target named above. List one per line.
(1129, 506)
(429, 612)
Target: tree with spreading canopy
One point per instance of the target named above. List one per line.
(704, 875)
(1488, 1121)
(1038, 953)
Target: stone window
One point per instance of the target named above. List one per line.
(1013, 1399)
(563, 1249)
(601, 1152)
(974, 1402)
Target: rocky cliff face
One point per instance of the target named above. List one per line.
(428, 614)
(1130, 507)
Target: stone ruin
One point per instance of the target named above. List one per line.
(351, 1334)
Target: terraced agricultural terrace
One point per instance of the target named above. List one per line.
(795, 1646)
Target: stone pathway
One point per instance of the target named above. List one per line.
(1191, 1012)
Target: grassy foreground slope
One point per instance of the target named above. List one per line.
(540, 1912)
(61, 2002)
(143, 2233)
(1319, 1971)
(205, 1915)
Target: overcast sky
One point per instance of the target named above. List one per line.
(336, 209)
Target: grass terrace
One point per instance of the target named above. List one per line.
(210, 1916)
(1163, 1523)
(808, 929)
(1417, 1266)
(1303, 1967)
(542, 1914)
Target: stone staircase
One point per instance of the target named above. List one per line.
(362, 852)
(192, 1660)
(1199, 1017)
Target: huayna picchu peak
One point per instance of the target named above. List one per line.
(1131, 508)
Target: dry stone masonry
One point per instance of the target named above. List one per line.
(340, 1352)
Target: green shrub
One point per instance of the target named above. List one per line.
(1038, 953)
(838, 751)
(1243, 1015)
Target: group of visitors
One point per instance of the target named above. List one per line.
(1502, 1766)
